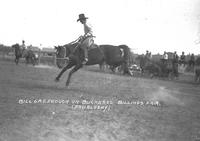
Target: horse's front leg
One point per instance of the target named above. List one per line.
(77, 67)
(68, 66)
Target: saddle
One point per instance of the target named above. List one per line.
(80, 41)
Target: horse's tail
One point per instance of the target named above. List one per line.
(126, 52)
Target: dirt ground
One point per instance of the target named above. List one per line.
(95, 107)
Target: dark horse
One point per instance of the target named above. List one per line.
(23, 53)
(96, 55)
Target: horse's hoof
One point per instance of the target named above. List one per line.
(56, 80)
(67, 84)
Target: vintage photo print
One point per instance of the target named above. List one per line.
(100, 70)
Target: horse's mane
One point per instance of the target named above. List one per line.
(71, 48)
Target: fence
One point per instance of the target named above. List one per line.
(47, 58)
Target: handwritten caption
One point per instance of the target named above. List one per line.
(103, 105)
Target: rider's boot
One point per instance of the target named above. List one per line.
(86, 56)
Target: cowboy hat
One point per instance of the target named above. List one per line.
(81, 17)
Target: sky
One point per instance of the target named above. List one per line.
(154, 25)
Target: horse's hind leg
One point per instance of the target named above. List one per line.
(63, 70)
(77, 67)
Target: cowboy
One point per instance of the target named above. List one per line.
(87, 39)
(23, 46)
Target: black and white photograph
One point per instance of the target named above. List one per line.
(100, 70)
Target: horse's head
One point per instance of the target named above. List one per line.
(17, 49)
(60, 51)
(64, 51)
(60, 55)
(72, 50)
(16, 46)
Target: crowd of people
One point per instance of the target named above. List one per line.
(175, 58)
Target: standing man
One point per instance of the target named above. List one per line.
(165, 58)
(147, 54)
(87, 39)
(150, 55)
(182, 59)
(192, 60)
(175, 64)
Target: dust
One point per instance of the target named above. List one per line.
(166, 96)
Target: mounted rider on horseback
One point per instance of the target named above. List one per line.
(23, 49)
(87, 39)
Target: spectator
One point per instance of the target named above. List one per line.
(165, 57)
(182, 59)
(192, 60)
(175, 57)
(148, 54)
(175, 64)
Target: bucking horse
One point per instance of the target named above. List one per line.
(74, 55)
